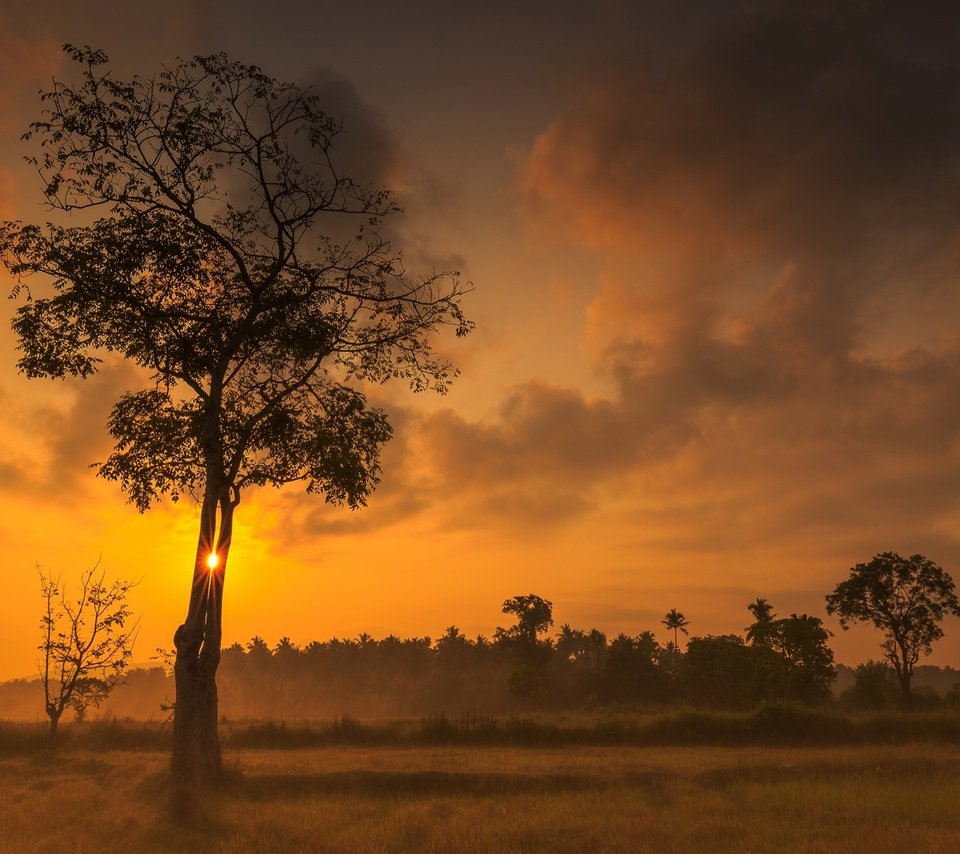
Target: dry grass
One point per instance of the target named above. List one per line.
(342, 799)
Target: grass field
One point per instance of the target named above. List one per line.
(902, 798)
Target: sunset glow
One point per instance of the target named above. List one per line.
(715, 259)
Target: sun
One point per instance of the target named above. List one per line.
(212, 560)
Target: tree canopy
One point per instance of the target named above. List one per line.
(534, 616)
(801, 641)
(212, 272)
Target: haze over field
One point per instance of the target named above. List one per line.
(715, 248)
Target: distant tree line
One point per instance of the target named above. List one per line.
(533, 665)
(530, 665)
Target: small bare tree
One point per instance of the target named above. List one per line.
(86, 643)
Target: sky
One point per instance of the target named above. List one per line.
(714, 250)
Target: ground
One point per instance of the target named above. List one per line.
(491, 799)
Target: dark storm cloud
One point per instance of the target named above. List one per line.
(754, 200)
(132, 32)
(794, 128)
(367, 151)
(365, 148)
(760, 192)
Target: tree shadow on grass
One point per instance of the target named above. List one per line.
(655, 782)
(392, 784)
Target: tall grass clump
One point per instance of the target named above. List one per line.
(17, 737)
(282, 735)
(774, 724)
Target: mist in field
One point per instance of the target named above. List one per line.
(393, 678)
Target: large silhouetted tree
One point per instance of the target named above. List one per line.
(906, 598)
(249, 279)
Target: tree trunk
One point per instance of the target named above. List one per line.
(196, 762)
(904, 667)
(54, 720)
(905, 692)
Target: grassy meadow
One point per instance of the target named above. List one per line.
(493, 798)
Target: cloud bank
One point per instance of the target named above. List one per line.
(776, 211)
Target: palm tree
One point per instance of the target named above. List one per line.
(647, 644)
(285, 647)
(676, 621)
(761, 610)
(763, 616)
(598, 643)
(571, 643)
(258, 650)
(452, 638)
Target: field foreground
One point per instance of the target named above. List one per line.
(493, 799)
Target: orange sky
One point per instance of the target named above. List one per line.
(715, 254)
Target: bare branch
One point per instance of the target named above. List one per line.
(86, 644)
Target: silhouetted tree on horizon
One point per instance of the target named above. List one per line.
(632, 671)
(801, 642)
(598, 645)
(534, 616)
(216, 267)
(763, 617)
(722, 672)
(571, 644)
(370, 677)
(676, 621)
(906, 598)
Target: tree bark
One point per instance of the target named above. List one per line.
(54, 721)
(906, 693)
(196, 762)
(904, 673)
